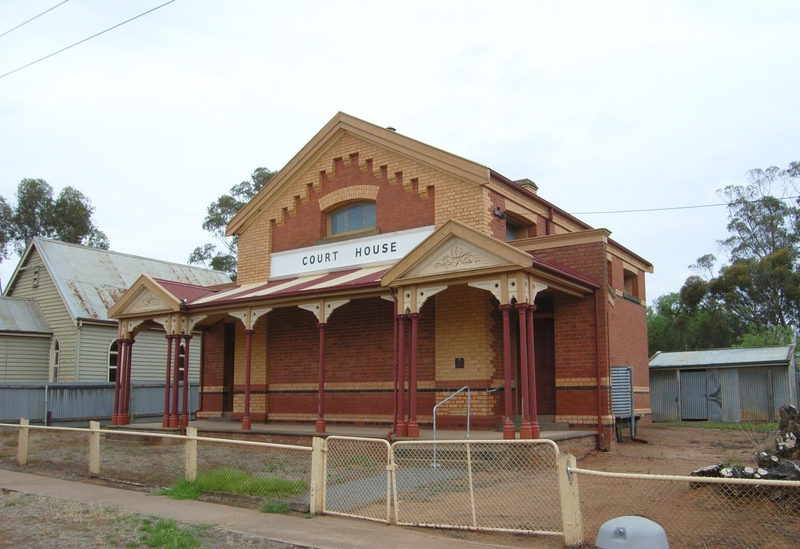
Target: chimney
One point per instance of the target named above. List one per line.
(528, 185)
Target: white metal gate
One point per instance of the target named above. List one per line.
(357, 474)
(501, 485)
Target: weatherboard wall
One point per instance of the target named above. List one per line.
(34, 281)
(24, 357)
(149, 354)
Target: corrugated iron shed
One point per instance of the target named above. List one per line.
(23, 316)
(91, 280)
(721, 358)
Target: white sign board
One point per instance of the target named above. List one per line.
(359, 252)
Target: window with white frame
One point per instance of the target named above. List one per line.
(113, 358)
(55, 358)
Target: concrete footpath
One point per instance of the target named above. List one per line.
(323, 532)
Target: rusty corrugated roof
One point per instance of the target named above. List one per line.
(22, 315)
(91, 280)
(724, 357)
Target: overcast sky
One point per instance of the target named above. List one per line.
(607, 106)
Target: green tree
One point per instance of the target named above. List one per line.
(762, 282)
(218, 214)
(67, 217)
(755, 298)
(6, 227)
(691, 320)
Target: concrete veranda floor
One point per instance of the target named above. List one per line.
(208, 426)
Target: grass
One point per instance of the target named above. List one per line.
(166, 534)
(233, 481)
(275, 507)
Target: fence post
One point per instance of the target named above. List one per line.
(22, 447)
(570, 502)
(94, 448)
(191, 454)
(317, 487)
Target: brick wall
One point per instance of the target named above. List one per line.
(397, 206)
(212, 366)
(575, 339)
(628, 347)
(359, 362)
(410, 195)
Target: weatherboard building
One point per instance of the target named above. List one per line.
(378, 275)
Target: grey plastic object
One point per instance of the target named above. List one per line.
(631, 533)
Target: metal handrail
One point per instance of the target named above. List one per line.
(469, 401)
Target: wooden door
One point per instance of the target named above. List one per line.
(544, 347)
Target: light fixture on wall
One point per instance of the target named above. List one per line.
(499, 213)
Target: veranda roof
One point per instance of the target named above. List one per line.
(298, 286)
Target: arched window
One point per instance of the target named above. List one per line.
(113, 357)
(181, 362)
(55, 357)
(352, 218)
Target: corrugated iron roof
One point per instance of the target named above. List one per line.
(311, 284)
(91, 280)
(22, 315)
(723, 357)
(184, 291)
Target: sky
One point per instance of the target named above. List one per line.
(607, 106)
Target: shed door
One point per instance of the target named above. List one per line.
(694, 394)
(755, 390)
(664, 395)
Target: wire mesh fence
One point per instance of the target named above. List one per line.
(696, 512)
(357, 478)
(185, 467)
(509, 486)
(49, 451)
(154, 462)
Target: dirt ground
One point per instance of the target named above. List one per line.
(39, 522)
(671, 450)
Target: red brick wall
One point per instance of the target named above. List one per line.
(628, 345)
(359, 351)
(212, 364)
(575, 339)
(396, 208)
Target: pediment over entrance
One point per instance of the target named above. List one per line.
(456, 255)
(147, 302)
(453, 250)
(145, 296)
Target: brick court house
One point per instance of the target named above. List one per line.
(378, 275)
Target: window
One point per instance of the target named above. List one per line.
(631, 283)
(515, 232)
(181, 362)
(352, 218)
(55, 357)
(113, 357)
